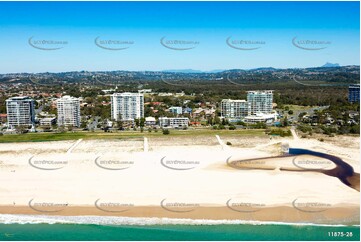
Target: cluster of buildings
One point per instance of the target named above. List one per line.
(127, 107)
(21, 112)
(124, 107)
(257, 108)
(130, 106)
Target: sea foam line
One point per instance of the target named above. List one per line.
(114, 220)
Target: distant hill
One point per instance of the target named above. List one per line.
(183, 71)
(331, 65)
(192, 71)
(263, 69)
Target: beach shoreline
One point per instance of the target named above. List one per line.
(176, 181)
(340, 215)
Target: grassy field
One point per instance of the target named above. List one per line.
(299, 108)
(40, 137)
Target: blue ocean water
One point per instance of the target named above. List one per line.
(14, 232)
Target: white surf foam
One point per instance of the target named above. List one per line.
(114, 220)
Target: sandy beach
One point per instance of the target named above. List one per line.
(179, 177)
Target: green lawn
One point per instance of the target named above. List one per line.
(299, 108)
(40, 137)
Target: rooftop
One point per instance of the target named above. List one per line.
(260, 91)
(19, 98)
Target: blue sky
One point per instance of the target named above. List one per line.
(270, 25)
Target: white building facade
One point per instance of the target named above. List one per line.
(260, 101)
(20, 111)
(165, 122)
(150, 121)
(261, 118)
(127, 106)
(68, 111)
(234, 109)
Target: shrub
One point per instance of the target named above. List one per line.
(241, 123)
(280, 132)
(166, 131)
(304, 128)
(228, 143)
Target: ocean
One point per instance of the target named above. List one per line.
(15, 228)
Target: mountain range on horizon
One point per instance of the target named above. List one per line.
(327, 64)
(190, 71)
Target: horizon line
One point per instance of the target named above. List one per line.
(184, 70)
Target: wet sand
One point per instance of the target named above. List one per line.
(342, 214)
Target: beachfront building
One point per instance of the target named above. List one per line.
(259, 102)
(47, 121)
(165, 122)
(258, 106)
(234, 109)
(150, 121)
(127, 106)
(68, 111)
(20, 112)
(261, 118)
(354, 93)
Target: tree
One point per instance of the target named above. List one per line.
(120, 125)
(141, 122)
(61, 129)
(285, 122)
(46, 128)
(83, 124)
(240, 123)
(260, 125)
(21, 129)
(302, 114)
